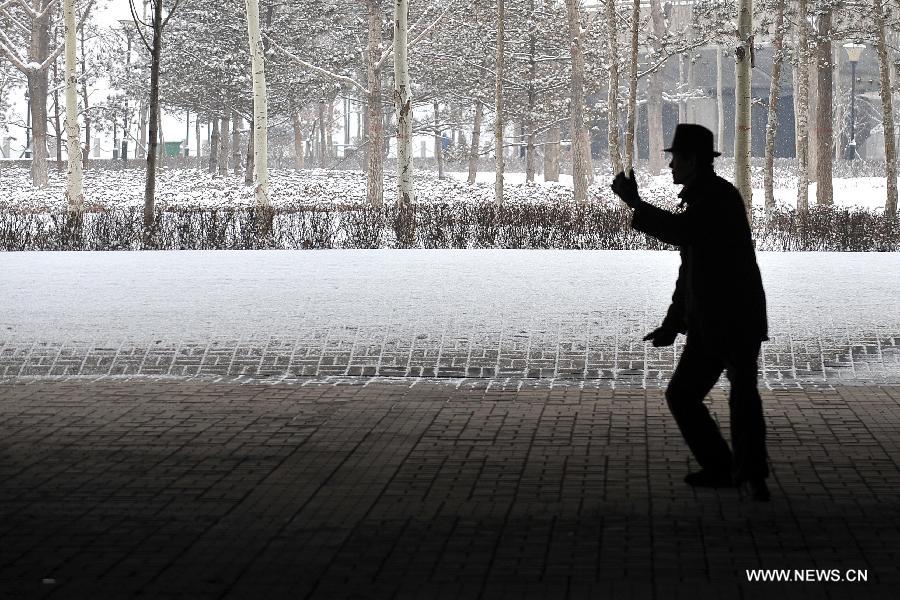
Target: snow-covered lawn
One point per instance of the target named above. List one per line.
(199, 294)
(190, 188)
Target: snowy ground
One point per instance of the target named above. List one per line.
(838, 311)
(105, 188)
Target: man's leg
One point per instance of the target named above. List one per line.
(748, 428)
(696, 374)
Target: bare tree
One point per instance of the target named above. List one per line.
(631, 123)
(890, 155)
(802, 100)
(580, 148)
(156, 25)
(612, 101)
(403, 103)
(742, 103)
(74, 195)
(35, 17)
(772, 122)
(260, 123)
(500, 63)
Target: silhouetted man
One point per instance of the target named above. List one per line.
(719, 304)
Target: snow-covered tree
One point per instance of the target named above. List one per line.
(260, 106)
(74, 195)
(27, 47)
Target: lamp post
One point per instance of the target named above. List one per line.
(854, 52)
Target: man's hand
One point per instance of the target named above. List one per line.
(625, 187)
(661, 336)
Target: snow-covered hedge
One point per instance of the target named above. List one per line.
(327, 209)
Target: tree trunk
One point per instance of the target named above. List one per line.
(214, 147)
(403, 105)
(236, 143)
(654, 100)
(551, 154)
(824, 114)
(224, 135)
(720, 100)
(74, 195)
(802, 99)
(375, 166)
(259, 125)
(890, 156)
(323, 146)
(199, 143)
(528, 121)
(580, 150)
(612, 101)
(500, 66)
(153, 141)
(438, 143)
(742, 105)
(249, 160)
(631, 124)
(476, 141)
(298, 139)
(772, 122)
(57, 127)
(37, 88)
(85, 99)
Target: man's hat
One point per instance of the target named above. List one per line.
(693, 139)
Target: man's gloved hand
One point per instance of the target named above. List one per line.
(661, 336)
(626, 188)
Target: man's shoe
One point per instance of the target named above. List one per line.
(757, 490)
(709, 479)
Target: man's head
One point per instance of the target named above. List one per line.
(692, 152)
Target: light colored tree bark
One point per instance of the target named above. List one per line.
(224, 140)
(742, 103)
(890, 153)
(772, 122)
(802, 100)
(199, 141)
(631, 123)
(403, 104)
(551, 154)
(297, 124)
(500, 67)
(528, 122)
(236, 144)
(375, 133)
(580, 150)
(474, 149)
(86, 107)
(824, 112)
(438, 142)
(74, 194)
(654, 94)
(720, 100)
(612, 100)
(260, 126)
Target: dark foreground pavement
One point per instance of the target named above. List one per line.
(374, 488)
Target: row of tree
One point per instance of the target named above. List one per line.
(550, 67)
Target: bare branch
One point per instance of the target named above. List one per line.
(59, 49)
(315, 69)
(6, 49)
(137, 25)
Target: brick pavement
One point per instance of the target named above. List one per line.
(116, 487)
(565, 349)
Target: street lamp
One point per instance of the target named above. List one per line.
(854, 52)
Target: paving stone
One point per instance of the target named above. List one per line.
(240, 487)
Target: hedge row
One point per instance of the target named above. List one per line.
(482, 225)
